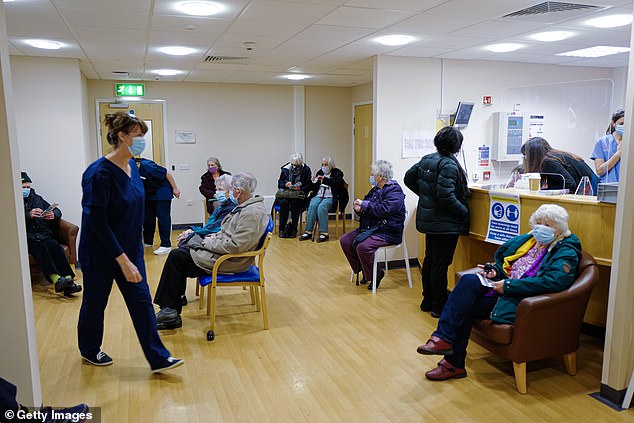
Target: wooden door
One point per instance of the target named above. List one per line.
(362, 149)
(152, 114)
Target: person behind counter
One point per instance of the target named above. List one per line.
(540, 157)
(607, 149)
(542, 261)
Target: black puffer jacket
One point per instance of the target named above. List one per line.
(38, 229)
(442, 192)
(336, 184)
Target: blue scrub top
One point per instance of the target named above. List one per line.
(112, 214)
(604, 148)
(154, 177)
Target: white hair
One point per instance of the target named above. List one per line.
(554, 213)
(224, 180)
(330, 161)
(245, 182)
(297, 159)
(383, 168)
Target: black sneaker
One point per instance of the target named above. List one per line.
(101, 359)
(68, 292)
(166, 314)
(170, 363)
(75, 414)
(63, 283)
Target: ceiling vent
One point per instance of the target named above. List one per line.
(120, 75)
(226, 59)
(553, 11)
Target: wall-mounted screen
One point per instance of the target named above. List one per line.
(463, 114)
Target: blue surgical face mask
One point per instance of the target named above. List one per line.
(619, 129)
(325, 169)
(26, 192)
(232, 197)
(543, 234)
(221, 196)
(372, 181)
(138, 145)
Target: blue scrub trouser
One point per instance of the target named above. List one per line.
(160, 210)
(468, 301)
(97, 287)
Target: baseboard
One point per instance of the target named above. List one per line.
(400, 264)
(611, 397)
(593, 330)
(183, 226)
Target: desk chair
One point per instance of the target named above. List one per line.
(253, 278)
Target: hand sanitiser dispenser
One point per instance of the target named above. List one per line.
(509, 131)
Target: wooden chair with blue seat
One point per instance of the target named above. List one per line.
(253, 278)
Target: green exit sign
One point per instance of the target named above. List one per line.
(132, 90)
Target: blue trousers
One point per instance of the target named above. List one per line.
(98, 279)
(160, 210)
(466, 303)
(318, 210)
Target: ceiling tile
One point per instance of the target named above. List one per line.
(402, 5)
(132, 6)
(196, 25)
(363, 18)
(499, 28)
(105, 19)
(430, 24)
(278, 11)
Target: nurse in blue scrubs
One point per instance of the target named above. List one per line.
(111, 246)
(607, 150)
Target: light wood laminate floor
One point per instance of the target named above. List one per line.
(333, 353)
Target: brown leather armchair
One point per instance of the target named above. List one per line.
(66, 234)
(545, 325)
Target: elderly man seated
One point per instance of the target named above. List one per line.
(41, 218)
(241, 231)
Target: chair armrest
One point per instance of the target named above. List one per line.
(67, 235)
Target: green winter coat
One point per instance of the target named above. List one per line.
(556, 273)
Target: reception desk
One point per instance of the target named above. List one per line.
(590, 220)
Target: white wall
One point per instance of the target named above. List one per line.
(50, 128)
(248, 127)
(408, 95)
(18, 348)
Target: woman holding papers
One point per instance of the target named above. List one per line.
(544, 260)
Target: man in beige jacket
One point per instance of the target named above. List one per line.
(241, 231)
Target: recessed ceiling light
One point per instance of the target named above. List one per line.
(167, 72)
(177, 51)
(597, 51)
(551, 36)
(611, 21)
(45, 44)
(394, 40)
(503, 47)
(200, 8)
(296, 76)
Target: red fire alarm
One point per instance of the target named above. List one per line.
(487, 99)
(486, 175)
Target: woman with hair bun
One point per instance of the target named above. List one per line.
(111, 245)
(442, 213)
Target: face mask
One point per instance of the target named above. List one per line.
(543, 234)
(619, 130)
(26, 192)
(232, 197)
(221, 196)
(213, 169)
(372, 181)
(325, 169)
(138, 145)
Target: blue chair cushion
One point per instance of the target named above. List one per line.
(252, 274)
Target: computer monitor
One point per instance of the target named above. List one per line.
(463, 114)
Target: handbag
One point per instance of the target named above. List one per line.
(366, 233)
(290, 194)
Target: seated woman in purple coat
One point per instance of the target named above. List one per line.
(382, 219)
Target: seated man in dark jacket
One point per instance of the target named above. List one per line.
(41, 218)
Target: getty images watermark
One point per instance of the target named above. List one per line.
(48, 414)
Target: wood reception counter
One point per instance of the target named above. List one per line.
(590, 220)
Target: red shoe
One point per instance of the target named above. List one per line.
(435, 346)
(445, 371)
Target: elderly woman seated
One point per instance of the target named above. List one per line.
(382, 217)
(294, 176)
(223, 183)
(542, 261)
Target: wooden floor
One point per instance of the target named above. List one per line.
(333, 353)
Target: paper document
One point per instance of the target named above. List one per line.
(484, 281)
